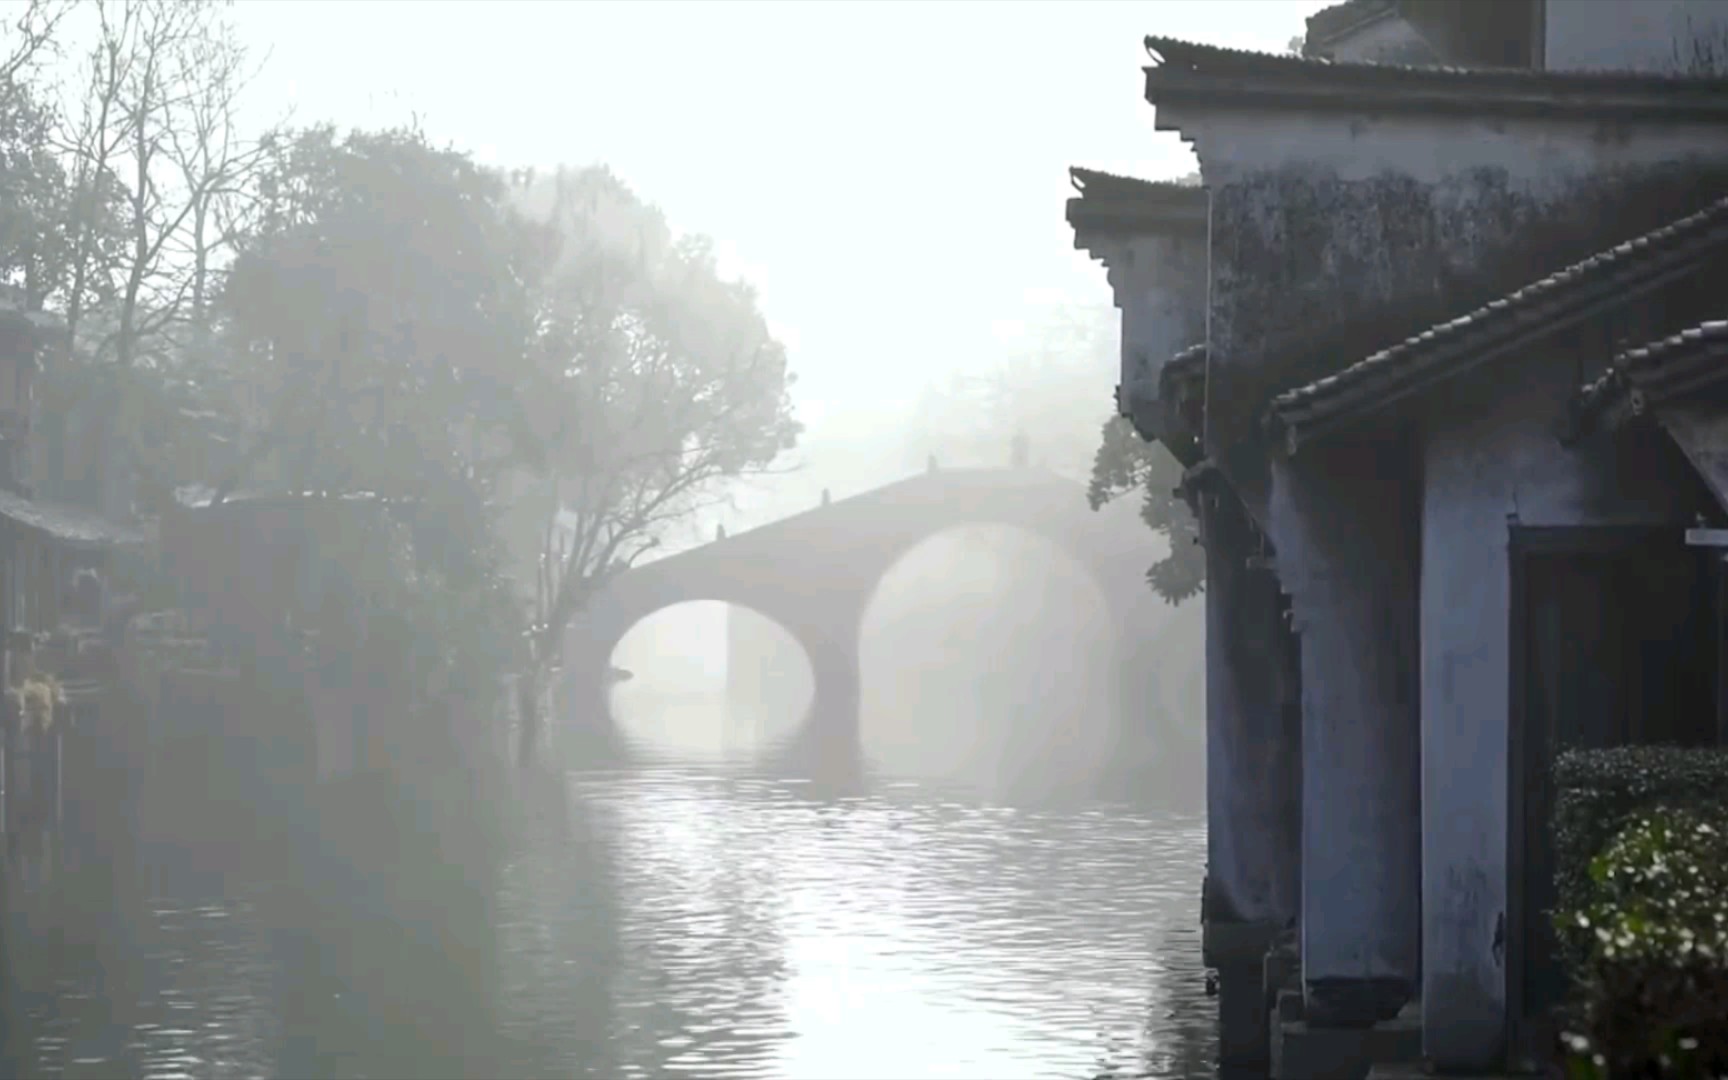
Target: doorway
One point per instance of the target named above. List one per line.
(1615, 642)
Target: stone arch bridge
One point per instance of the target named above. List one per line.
(815, 573)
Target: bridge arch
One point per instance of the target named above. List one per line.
(679, 682)
(814, 573)
(829, 646)
(990, 658)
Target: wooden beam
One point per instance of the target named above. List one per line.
(1710, 538)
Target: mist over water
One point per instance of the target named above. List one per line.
(978, 907)
(383, 403)
(903, 933)
(668, 919)
(987, 660)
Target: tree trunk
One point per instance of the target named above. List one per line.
(530, 707)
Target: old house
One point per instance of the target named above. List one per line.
(1415, 522)
(287, 590)
(1557, 600)
(54, 567)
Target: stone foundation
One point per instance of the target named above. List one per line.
(1410, 1070)
(1242, 1020)
(1237, 952)
(1303, 1052)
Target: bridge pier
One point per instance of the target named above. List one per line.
(834, 709)
(830, 742)
(581, 729)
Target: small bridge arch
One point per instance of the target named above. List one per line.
(814, 574)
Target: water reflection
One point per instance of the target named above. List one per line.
(668, 920)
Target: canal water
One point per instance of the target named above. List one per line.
(986, 902)
(706, 921)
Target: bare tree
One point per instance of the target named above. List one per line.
(160, 175)
(28, 36)
(659, 386)
(36, 207)
(155, 131)
(216, 165)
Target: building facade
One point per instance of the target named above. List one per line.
(1424, 239)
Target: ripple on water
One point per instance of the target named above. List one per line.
(678, 921)
(895, 934)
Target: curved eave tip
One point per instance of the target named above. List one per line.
(1282, 437)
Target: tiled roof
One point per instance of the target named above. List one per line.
(1622, 272)
(1104, 185)
(1333, 22)
(68, 524)
(1678, 363)
(1110, 202)
(1341, 18)
(1662, 370)
(1189, 71)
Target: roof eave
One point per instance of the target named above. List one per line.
(1182, 88)
(1681, 376)
(1682, 366)
(1124, 219)
(1111, 206)
(1301, 423)
(1305, 416)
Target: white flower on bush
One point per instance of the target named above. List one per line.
(1662, 892)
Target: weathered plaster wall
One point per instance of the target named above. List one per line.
(1346, 522)
(1689, 36)
(1335, 235)
(1491, 457)
(1253, 742)
(1159, 284)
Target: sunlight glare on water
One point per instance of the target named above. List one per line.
(692, 921)
(897, 934)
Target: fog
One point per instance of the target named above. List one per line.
(985, 651)
(366, 371)
(988, 654)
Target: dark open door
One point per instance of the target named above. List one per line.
(1615, 644)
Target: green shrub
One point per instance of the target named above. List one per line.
(1641, 838)
(1600, 792)
(1652, 989)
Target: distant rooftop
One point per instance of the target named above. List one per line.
(68, 524)
(1185, 72)
(1340, 20)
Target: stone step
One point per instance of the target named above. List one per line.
(1300, 1052)
(1414, 1070)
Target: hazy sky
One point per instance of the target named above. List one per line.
(891, 175)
